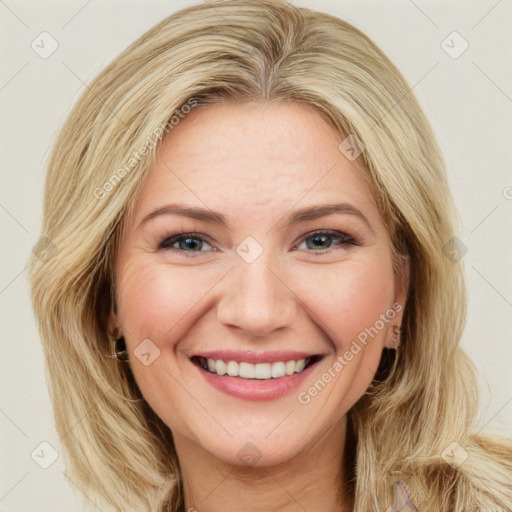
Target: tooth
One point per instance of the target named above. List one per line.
(220, 367)
(299, 365)
(278, 370)
(232, 369)
(246, 370)
(289, 367)
(262, 371)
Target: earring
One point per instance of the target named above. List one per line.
(396, 336)
(118, 346)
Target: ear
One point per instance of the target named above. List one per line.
(113, 324)
(111, 318)
(401, 291)
(106, 311)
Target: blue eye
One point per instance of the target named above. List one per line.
(186, 242)
(322, 238)
(189, 242)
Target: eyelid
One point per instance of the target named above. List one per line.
(177, 237)
(342, 236)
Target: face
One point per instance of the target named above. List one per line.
(261, 275)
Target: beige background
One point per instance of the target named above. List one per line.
(467, 99)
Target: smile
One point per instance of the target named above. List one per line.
(261, 371)
(268, 377)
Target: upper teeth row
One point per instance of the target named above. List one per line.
(254, 371)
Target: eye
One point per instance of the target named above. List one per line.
(321, 242)
(324, 240)
(187, 242)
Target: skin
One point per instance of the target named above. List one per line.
(255, 164)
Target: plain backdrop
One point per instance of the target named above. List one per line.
(467, 98)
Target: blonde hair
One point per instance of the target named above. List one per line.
(421, 400)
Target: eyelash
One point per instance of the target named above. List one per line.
(171, 240)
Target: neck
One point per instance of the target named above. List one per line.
(315, 479)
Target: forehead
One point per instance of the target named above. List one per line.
(252, 158)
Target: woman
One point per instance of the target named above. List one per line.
(248, 210)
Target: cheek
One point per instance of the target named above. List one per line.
(349, 307)
(349, 299)
(156, 302)
(159, 301)
(144, 293)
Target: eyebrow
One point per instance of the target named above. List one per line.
(295, 217)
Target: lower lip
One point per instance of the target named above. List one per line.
(255, 389)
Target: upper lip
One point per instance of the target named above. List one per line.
(257, 356)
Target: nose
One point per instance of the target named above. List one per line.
(256, 299)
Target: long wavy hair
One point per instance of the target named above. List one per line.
(423, 398)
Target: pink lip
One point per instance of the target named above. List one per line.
(256, 356)
(254, 389)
